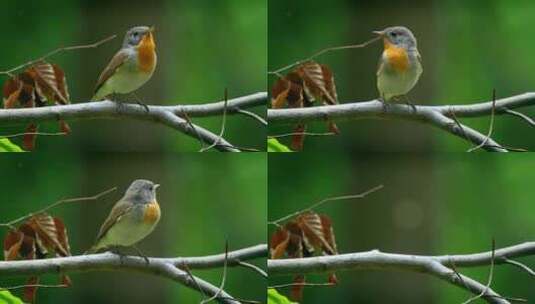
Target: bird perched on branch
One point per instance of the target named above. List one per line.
(132, 218)
(400, 64)
(131, 67)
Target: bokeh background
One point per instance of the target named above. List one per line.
(468, 48)
(205, 199)
(204, 46)
(430, 205)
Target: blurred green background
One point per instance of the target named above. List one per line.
(205, 199)
(468, 48)
(204, 46)
(448, 204)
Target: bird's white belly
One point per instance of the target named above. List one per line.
(125, 80)
(391, 83)
(126, 232)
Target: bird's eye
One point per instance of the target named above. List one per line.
(135, 34)
(393, 34)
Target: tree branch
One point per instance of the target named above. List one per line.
(165, 267)
(170, 116)
(438, 266)
(442, 117)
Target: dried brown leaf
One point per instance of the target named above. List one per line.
(66, 280)
(279, 93)
(318, 82)
(30, 291)
(11, 92)
(64, 127)
(310, 223)
(328, 233)
(330, 86)
(62, 83)
(47, 85)
(63, 239)
(279, 243)
(28, 140)
(296, 293)
(295, 245)
(45, 229)
(298, 139)
(12, 244)
(333, 279)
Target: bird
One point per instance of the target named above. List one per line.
(400, 64)
(131, 67)
(131, 219)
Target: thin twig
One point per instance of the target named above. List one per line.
(69, 200)
(329, 199)
(185, 267)
(244, 149)
(458, 123)
(521, 266)
(302, 133)
(34, 285)
(491, 126)
(301, 284)
(34, 133)
(242, 300)
(223, 123)
(223, 279)
(491, 276)
(254, 267)
(56, 51)
(190, 124)
(459, 276)
(523, 116)
(323, 51)
(252, 115)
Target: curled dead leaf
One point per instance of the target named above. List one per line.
(28, 140)
(279, 243)
(12, 244)
(302, 87)
(29, 290)
(303, 236)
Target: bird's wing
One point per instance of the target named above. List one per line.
(380, 65)
(419, 59)
(120, 208)
(117, 60)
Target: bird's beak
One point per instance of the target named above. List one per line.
(156, 186)
(152, 29)
(380, 33)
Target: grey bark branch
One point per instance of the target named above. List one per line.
(165, 267)
(442, 117)
(171, 116)
(438, 266)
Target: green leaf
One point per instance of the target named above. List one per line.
(274, 297)
(275, 146)
(8, 146)
(7, 298)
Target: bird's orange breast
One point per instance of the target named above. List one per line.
(152, 213)
(147, 53)
(397, 57)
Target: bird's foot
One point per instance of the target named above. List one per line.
(140, 253)
(146, 107)
(383, 103)
(409, 103)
